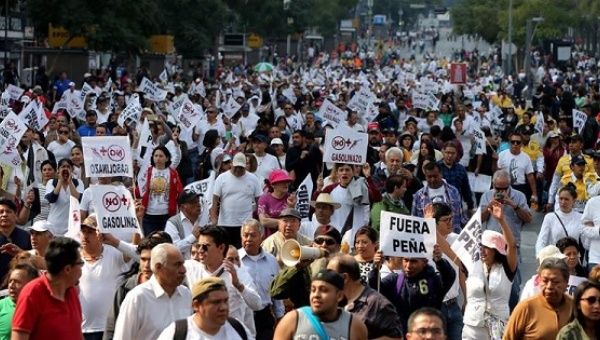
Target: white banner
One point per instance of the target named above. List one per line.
(152, 91)
(132, 112)
(361, 100)
(303, 197)
(480, 142)
(189, 115)
(74, 226)
(107, 156)
(115, 210)
(539, 122)
(4, 104)
(332, 113)
(174, 107)
(466, 245)
(407, 236)
(480, 183)
(424, 101)
(290, 95)
(202, 187)
(85, 90)
(579, 119)
(344, 145)
(198, 88)
(231, 107)
(74, 106)
(164, 76)
(12, 130)
(14, 92)
(33, 115)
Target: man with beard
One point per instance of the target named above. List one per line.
(323, 319)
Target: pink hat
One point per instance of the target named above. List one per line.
(278, 176)
(495, 240)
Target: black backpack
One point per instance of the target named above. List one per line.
(181, 329)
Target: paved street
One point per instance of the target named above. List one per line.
(528, 238)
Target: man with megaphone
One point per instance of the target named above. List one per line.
(289, 224)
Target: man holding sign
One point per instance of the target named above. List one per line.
(418, 285)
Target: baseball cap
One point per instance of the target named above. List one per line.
(239, 160)
(577, 160)
(276, 141)
(373, 126)
(330, 277)
(207, 284)
(553, 134)
(41, 226)
(290, 212)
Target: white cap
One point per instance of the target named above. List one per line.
(71, 84)
(276, 141)
(239, 160)
(41, 226)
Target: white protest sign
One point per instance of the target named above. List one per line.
(579, 119)
(74, 106)
(14, 92)
(303, 197)
(420, 100)
(361, 99)
(74, 226)
(12, 130)
(152, 91)
(198, 87)
(466, 245)
(146, 139)
(174, 107)
(480, 183)
(132, 112)
(290, 95)
(115, 210)
(344, 145)
(539, 121)
(85, 90)
(231, 107)
(189, 115)
(4, 104)
(107, 156)
(332, 113)
(164, 76)
(33, 115)
(407, 236)
(480, 142)
(202, 187)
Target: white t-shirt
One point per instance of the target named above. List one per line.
(266, 164)
(194, 333)
(98, 282)
(87, 204)
(439, 192)
(518, 166)
(158, 203)
(238, 197)
(61, 151)
(59, 210)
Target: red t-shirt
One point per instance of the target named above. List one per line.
(42, 315)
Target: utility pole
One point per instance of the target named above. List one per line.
(529, 30)
(510, 29)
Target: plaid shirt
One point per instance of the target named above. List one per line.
(457, 177)
(422, 199)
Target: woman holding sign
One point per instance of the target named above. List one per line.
(58, 193)
(489, 284)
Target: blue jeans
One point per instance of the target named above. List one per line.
(454, 320)
(515, 291)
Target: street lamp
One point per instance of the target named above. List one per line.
(530, 32)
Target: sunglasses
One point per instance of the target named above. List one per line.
(501, 188)
(591, 299)
(204, 247)
(326, 240)
(516, 142)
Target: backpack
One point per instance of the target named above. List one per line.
(181, 329)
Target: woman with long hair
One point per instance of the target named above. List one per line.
(58, 193)
(564, 222)
(586, 314)
(162, 188)
(426, 153)
(489, 285)
(41, 207)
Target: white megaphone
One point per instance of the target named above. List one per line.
(292, 253)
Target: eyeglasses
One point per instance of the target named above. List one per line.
(591, 299)
(63, 132)
(204, 247)
(328, 241)
(501, 188)
(425, 331)
(516, 142)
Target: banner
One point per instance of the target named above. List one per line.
(579, 119)
(231, 107)
(344, 145)
(424, 101)
(12, 130)
(132, 112)
(174, 107)
(480, 142)
(4, 104)
(14, 92)
(332, 113)
(361, 100)
(480, 183)
(164, 76)
(290, 95)
(202, 187)
(74, 106)
(189, 115)
(539, 122)
(85, 90)
(152, 91)
(198, 87)
(115, 210)
(466, 245)
(33, 115)
(407, 236)
(74, 226)
(107, 156)
(303, 195)
(458, 73)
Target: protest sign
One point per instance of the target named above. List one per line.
(132, 112)
(539, 122)
(202, 187)
(152, 91)
(198, 87)
(174, 107)
(579, 119)
(303, 197)
(407, 236)
(33, 115)
(420, 100)
(290, 95)
(115, 209)
(189, 115)
(479, 141)
(14, 92)
(361, 99)
(12, 130)
(467, 243)
(231, 107)
(4, 104)
(74, 225)
(332, 113)
(345, 145)
(164, 76)
(107, 156)
(74, 106)
(480, 183)
(85, 90)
